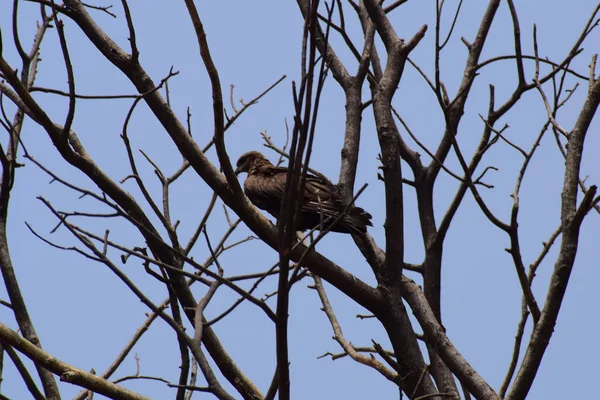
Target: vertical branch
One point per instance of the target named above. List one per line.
(1, 365)
(219, 120)
(572, 217)
(290, 205)
(70, 76)
(387, 132)
(395, 320)
(438, 48)
(456, 107)
(9, 163)
(432, 238)
(517, 36)
(28, 379)
(353, 92)
(183, 349)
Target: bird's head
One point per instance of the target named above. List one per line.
(248, 161)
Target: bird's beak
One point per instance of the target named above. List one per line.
(238, 171)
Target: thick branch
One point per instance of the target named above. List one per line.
(66, 372)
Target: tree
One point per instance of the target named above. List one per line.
(471, 107)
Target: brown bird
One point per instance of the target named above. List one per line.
(320, 200)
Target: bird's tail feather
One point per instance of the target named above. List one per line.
(357, 220)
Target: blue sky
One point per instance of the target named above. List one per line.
(84, 315)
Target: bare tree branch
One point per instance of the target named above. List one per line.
(66, 372)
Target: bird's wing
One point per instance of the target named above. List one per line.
(321, 196)
(316, 188)
(266, 189)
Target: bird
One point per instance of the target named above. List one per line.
(320, 201)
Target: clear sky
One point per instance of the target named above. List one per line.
(84, 315)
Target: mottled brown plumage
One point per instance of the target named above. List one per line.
(321, 201)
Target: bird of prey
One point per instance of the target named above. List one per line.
(320, 202)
